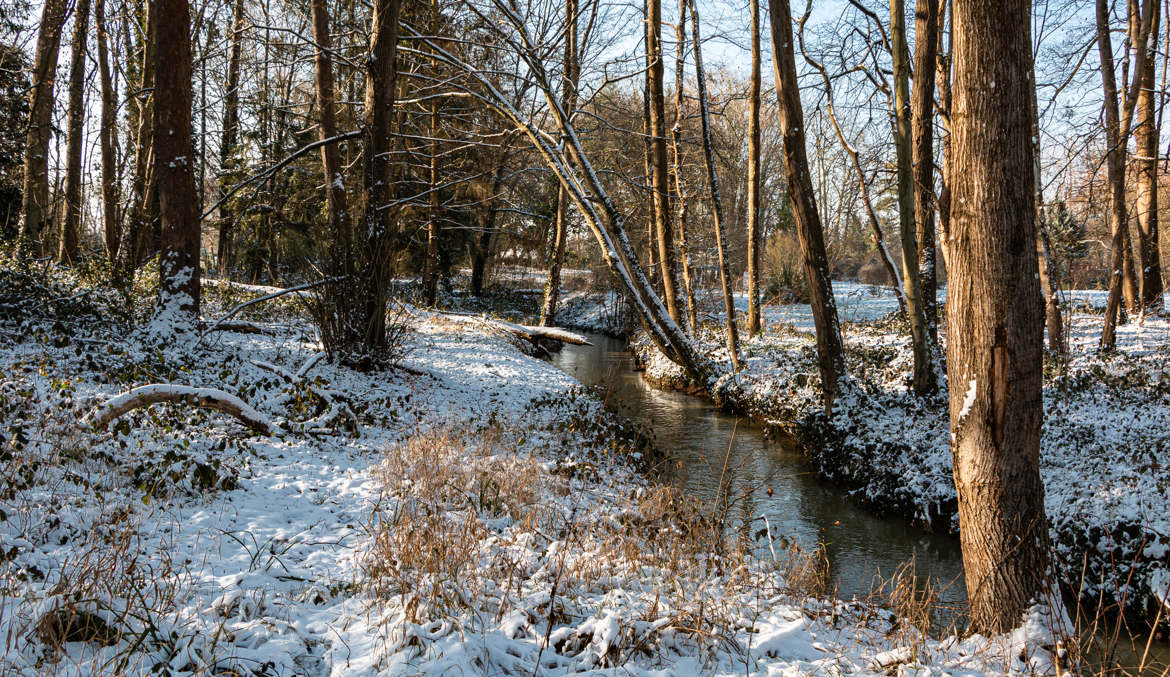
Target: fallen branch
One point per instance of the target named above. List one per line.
(336, 403)
(239, 327)
(206, 398)
(260, 299)
(524, 331)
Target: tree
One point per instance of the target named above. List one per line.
(377, 253)
(922, 107)
(994, 343)
(109, 121)
(231, 127)
(178, 266)
(830, 351)
(753, 198)
(716, 198)
(659, 181)
(75, 117)
(924, 376)
(35, 210)
(569, 82)
(1117, 129)
(335, 198)
(1147, 174)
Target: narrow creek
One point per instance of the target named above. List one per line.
(705, 444)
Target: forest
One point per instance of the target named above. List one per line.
(523, 337)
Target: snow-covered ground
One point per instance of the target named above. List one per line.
(482, 517)
(1107, 428)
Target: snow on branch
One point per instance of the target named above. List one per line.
(206, 398)
(218, 324)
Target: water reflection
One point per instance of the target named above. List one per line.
(711, 449)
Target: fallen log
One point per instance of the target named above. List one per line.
(528, 332)
(206, 398)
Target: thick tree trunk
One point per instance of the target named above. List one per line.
(337, 202)
(659, 180)
(381, 78)
(75, 124)
(924, 377)
(572, 72)
(994, 343)
(231, 131)
(178, 268)
(716, 198)
(922, 105)
(753, 178)
(1117, 129)
(680, 189)
(1147, 177)
(830, 352)
(36, 212)
(108, 140)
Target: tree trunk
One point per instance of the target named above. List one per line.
(943, 74)
(924, 377)
(1048, 286)
(75, 124)
(830, 352)
(231, 125)
(178, 268)
(487, 230)
(381, 78)
(572, 72)
(137, 241)
(659, 180)
(336, 200)
(922, 104)
(35, 209)
(716, 198)
(1147, 177)
(753, 179)
(680, 189)
(994, 343)
(108, 141)
(1117, 129)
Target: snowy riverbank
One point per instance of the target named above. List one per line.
(483, 516)
(1107, 492)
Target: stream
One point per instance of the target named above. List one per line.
(702, 441)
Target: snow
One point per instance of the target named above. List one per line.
(216, 551)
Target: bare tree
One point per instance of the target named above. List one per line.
(830, 351)
(1117, 130)
(716, 198)
(994, 343)
(659, 181)
(178, 268)
(922, 106)
(753, 179)
(109, 121)
(231, 130)
(35, 210)
(925, 380)
(75, 124)
(680, 189)
(335, 197)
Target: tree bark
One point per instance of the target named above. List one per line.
(572, 72)
(943, 74)
(75, 125)
(659, 180)
(231, 125)
(178, 268)
(336, 200)
(36, 212)
(924, 377)
(830, 352)
(483, 248)
(716, 198)
(136, 241)
(381, 78)
(753, 178)
(107, 138)
(922, 105)
(994, 343)
(1147, 133)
